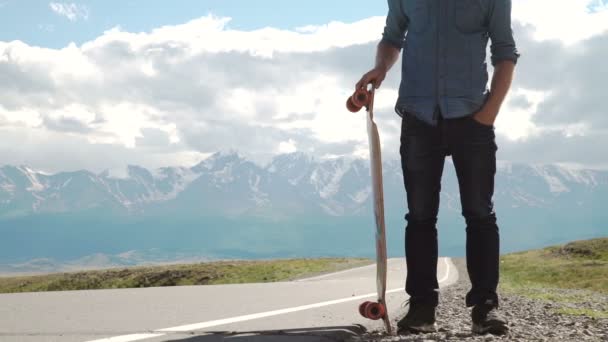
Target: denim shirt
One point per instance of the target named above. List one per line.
(444, 69)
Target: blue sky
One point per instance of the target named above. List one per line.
(37, 24)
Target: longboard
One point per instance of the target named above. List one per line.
(375, 310)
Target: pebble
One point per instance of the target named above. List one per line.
(529, 319)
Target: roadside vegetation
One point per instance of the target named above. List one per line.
(572, 278)
(221, 272)
(568, 275)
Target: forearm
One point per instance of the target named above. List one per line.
(386, 56)
(501, 82)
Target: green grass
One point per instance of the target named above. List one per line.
(222, 272)
(536, 291)
(576, 265)
(583, 312)
(543, 274)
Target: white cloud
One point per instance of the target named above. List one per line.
(567, 20)
(598, 5)
(515, 120)
(71, 10)
(209, 34)
(287, 146)
(194, 87)
(176, 93)
(25, 117)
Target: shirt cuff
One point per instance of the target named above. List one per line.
(395, 43)
(509, 56)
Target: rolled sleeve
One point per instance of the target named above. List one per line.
(500, 31)
(396, 25)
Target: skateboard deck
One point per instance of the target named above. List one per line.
(375, 310)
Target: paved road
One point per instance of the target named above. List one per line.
(322, 306)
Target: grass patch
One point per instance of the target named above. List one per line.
(583, 312)
(576, 265)
(544, 274)
(535, 291)
(221, 272)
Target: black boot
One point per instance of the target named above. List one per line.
(420, 318)
(487, 319)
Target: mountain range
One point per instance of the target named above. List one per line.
(227, 206)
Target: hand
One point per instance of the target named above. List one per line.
(374, 76)
(485, 116)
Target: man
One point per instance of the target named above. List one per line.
(447, 110)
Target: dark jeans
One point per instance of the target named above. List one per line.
(473, 149)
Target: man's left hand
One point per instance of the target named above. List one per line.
(485, 116)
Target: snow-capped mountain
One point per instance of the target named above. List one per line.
(295, 206)
(227, 184)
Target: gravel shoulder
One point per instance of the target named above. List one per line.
(529, 319)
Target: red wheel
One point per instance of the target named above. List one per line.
(374, 311)
(362, 308)
(351, 106)
(360, 97)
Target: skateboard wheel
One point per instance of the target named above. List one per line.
(360, 97)
(351, 106)
(362, 308)
(374, 311)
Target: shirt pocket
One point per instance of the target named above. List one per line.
(418, 14)
(469, 16)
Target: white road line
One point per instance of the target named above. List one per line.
(128, 338)
(203, 325)
(447, 271)
(209, 324)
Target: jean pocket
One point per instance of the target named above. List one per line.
(475, 122)
(408, 124)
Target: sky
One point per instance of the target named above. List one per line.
(100, 85)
